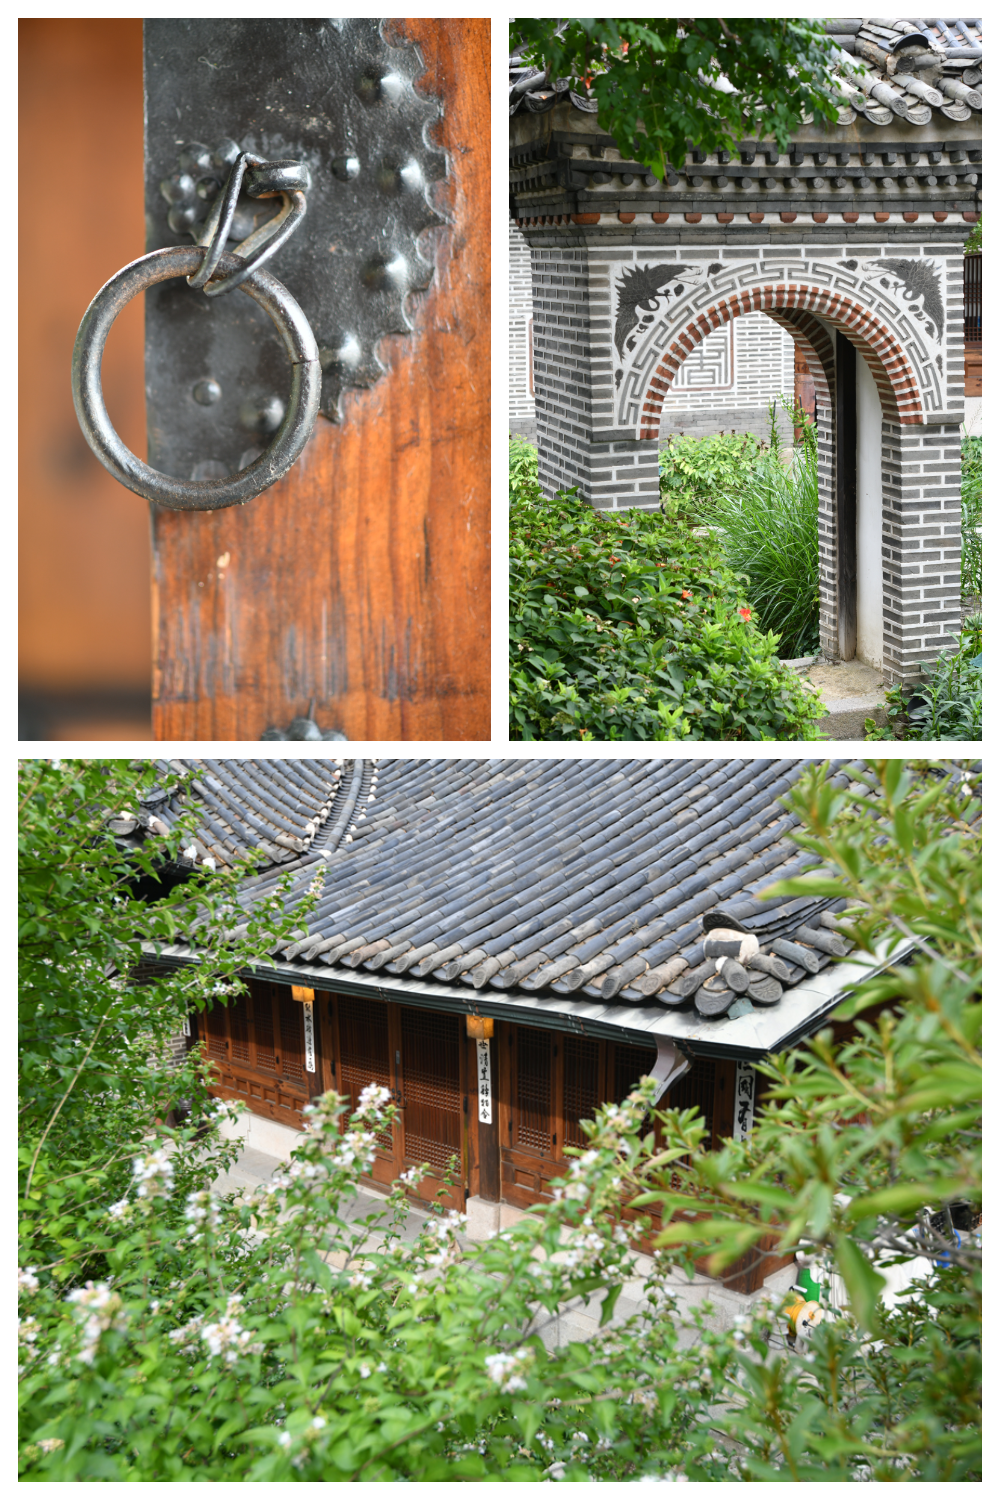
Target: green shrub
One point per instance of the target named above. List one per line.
(522, 464)
(948, 705)
(772, 541)
(627, 627)
(696, 473)
(972, 517)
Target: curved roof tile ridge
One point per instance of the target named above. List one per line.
(502, 875)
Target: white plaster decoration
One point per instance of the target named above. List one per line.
(655, 296)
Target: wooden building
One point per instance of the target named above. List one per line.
(507, 944)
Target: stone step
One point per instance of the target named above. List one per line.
(851, 691)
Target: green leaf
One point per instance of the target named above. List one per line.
(864, 1284)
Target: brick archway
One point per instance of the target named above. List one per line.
(793, 305)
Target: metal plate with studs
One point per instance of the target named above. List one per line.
(335, 95)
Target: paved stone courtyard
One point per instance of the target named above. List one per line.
(254, 1167)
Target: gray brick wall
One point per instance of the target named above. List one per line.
(588, 426)
(520, 399)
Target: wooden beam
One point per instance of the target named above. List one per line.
(362, 579)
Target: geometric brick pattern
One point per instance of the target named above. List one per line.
(712, 367)
(521, 401)
(894, 375)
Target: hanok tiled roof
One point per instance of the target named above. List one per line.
(911, 70)
(629, 882)
(273, 808)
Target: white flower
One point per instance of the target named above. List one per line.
(51, 1445)
(412, 1177)
(319, 1423)
(27, 1281)
(364, 1371)
(98, 1308)
(557, 1470)
(285, 1439)
(202, 1212)
(505, 1370)
(154, 1174)
(360, 1279)
(120, 1209)
(373, 1099)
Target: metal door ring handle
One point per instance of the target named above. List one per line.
(92, 414)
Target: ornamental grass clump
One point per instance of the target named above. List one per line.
(771, 540)
(972, 518)
(626, 626)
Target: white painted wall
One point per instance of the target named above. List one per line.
(869, 517)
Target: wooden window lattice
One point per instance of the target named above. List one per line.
(364, 1051)
(432, 1104)
(534, 1091)
(581, 1086)
(973, 288)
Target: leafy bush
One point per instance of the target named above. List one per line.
(627, 627)
(771, 526)
(170, 1335)
(948, 704)
(522, 465)
(972, 518)
(696, 473)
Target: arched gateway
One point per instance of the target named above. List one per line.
(852, 240)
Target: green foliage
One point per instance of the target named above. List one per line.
(93, 1018)
(523, 466)
(972, 517)
(628, 627)
(696, 473)
(291, 1337)
(974, 244)
(855, 1140)
(771, 526)
(948, 703)
(656, 80)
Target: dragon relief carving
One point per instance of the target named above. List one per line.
(640, 290)
(916, 281)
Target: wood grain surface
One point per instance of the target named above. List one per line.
(362, 579)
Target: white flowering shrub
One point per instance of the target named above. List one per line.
(170, 1334)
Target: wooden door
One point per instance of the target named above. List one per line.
(434, 1102)
(361, 580)
(365, 1056)
(257, 1047)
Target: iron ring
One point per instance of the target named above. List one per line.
(92, 414)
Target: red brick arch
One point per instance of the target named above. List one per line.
(791, 305)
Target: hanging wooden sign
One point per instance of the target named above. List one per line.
(310, 1035)
(743, 1114)
(484, 1083)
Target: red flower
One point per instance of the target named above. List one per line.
(745, 614)
(686, 594)
(614, 559)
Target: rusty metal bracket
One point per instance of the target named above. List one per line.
(338, 100)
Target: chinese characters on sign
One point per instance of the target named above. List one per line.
(743, 1116)
(483, 1083)
(310, 1034)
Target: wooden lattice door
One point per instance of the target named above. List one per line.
(257, 1047)
(364, 1056)
(434, 1094)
